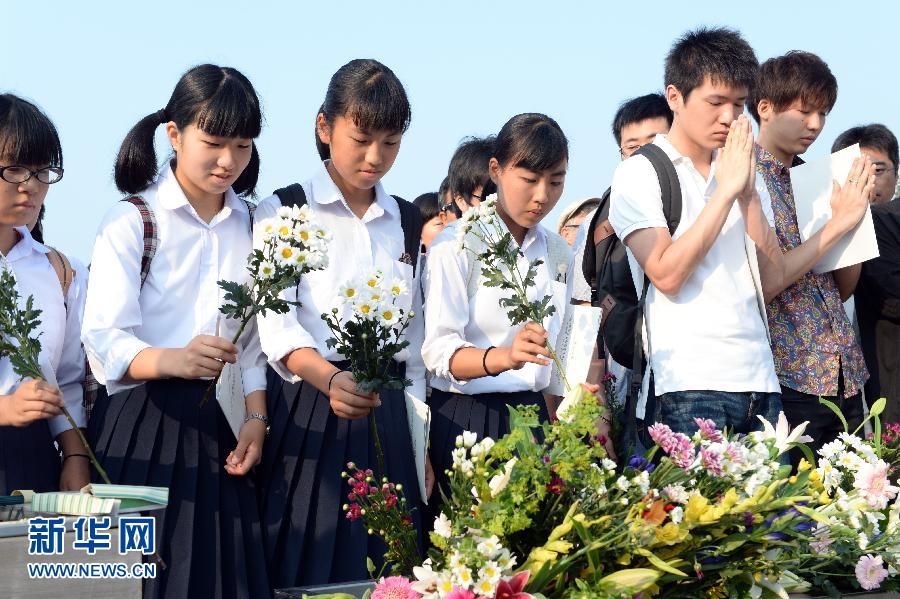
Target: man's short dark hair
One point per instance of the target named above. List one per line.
(875, 136)
(718, 53)
(469, 167)
(796, 75)
(635, 110)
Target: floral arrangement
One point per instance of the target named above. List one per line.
(499, 255)
(22, 349)
(890, 447)
(293, 244)
(712, 515)
(371, 336)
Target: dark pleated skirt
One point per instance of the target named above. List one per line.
(28, 458)
(309, 541)
(485, 414)
(209, 535)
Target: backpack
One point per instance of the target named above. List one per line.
(608, 272)
(410, 220)
(92, 387)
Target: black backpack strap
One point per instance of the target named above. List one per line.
(292, 195)
(411, 223)
(590, 260)
(670, 195)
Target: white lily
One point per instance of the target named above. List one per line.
(782, 434)
(499, 482)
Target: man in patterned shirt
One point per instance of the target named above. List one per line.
(815, 349)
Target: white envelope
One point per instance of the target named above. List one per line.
(575, 346)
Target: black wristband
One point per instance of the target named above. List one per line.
(484, 362)
(331, 380)
(76, 455)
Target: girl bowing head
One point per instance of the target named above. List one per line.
(31, 418)
(479, 363)
(318, 413)
(155, 337)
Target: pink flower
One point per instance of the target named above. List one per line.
(394, 587)
(361, 488)
(873, 484)
(676, 445)
(711, 461)
(354, 512)
(708, 429)
(870, 571)
(512, 588)
(457, 593)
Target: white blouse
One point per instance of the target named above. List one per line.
(180, 298)
(359, 246)
(454, 319)
(60, 325)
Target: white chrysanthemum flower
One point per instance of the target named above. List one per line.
(506, 561)
(303, 233)
(485, 587)
(286, 254)
(608, 465)
(398, 287)
(365, 308)
(284, 229)
(622, 483)
(490, 571)
(462, 577)
(283, 212)
(489, 547)
(388, 315)
(373, 281)
(444, 583)
(677, 514)
(349, 292)
(266, 270)
(442, 526)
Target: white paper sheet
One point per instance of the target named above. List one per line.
(575, 346)
(812, 185)
(230, 395)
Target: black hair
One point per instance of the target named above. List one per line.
(444, 194)
(429, 205)
(38, 232)
(875, 136)
(368, 93)
(469, 168)
(635, 110)
(220, 101)
(27, 136)
(795, 75)
(718, 53)
(532, 141)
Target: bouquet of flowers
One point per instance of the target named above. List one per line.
(496, 250)
(17, 327)
(371, 336)
(890, 448)
(293, 245)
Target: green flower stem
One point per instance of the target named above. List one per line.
(87, 446)
(373, 430)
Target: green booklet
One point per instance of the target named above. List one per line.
(96, 499)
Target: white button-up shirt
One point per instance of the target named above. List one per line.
(180, 298)
(60, 326)
(710, 336)
(454, 319)
(358, 247)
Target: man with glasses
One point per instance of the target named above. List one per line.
(636, 123)
(469, 179)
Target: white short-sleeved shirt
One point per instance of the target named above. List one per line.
(581, 290)
(454, 319)
(180, 298)
(711, 334)
(359, 246)
(60, 327)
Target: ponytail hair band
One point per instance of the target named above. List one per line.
(161, 116)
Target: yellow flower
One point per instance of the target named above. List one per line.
(697, 505)
(670, 534)
(803, 466)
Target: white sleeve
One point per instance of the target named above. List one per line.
(279, 334)
(70, 371)
(447, 298)
(581, 291)
(252, 359)
(635, 199)
(765, 199)
(112, 307)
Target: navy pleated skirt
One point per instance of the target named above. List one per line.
(309, 541)
(209, 535)
(485, 414)
(28, 458)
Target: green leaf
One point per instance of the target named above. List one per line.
(831, 406)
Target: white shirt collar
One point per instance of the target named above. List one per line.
(325, 191)
(532, 235)
(26, 246)
(171, 196)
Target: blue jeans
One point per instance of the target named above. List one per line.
(737, 411)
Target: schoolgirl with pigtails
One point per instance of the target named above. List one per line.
(154, 335)
(318, 414)
(33, 430)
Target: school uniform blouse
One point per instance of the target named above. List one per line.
(358, 246)
(60, 326)
(180, 298)
(455, 320)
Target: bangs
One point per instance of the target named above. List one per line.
(27, 137)
(381, 105)
(232, 111)
(540, 149)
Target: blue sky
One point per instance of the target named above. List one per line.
(97, 67)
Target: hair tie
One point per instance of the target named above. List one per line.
(161, 116)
